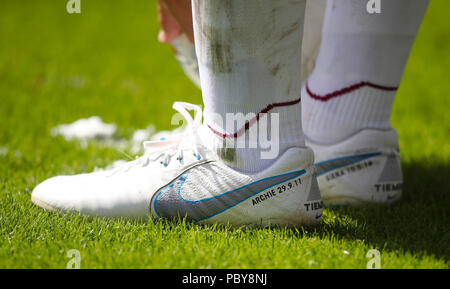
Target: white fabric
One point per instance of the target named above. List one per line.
(249, 55)
(312, 35)
(359, 47)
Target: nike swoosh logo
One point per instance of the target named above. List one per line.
(337, 163)
(318, 215)
(169, 203)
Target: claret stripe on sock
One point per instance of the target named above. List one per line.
(248, 124)
(347, 90)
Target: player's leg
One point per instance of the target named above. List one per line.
(248, 54)
(172, 33)
(347, 100)
(249, 59)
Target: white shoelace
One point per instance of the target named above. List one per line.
(165, 149)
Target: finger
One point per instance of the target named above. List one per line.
(170, 29)
(181, 11)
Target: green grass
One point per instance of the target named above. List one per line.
(56, 68)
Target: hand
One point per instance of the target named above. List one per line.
(175, 18)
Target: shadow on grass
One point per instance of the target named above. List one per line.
(419, 223)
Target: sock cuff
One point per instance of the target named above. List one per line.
(332, 117)
(243, 147)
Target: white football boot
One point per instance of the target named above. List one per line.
(363, 169)
(179, 177)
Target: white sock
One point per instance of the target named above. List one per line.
(359, 67)
(249, 55)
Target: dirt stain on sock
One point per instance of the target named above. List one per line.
(216, 41)
(227, 154)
